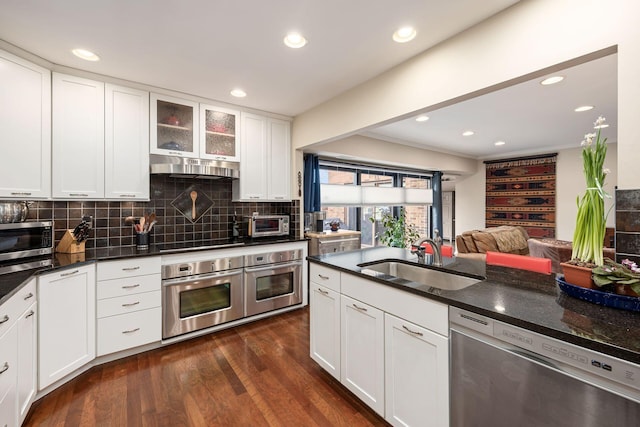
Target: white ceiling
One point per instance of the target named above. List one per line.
(529, 117)
(208, 47)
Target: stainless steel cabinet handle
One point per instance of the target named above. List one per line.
(176, 153)
(5, 367)
(131, 286)
(323, 277)
(69, 273)
(419, 334)
(131, 331)
(131, 268)
(131, 304)
(323, 292)
(359, 308)
(20, 193)
(127, 195)
(78, 195)
(29, 295)
(31, 313)
(5, 319)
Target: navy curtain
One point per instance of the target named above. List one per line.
(311, 183)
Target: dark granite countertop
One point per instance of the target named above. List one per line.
(12, 282)
(530, 300)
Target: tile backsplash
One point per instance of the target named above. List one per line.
(628, 225)
(109, 229)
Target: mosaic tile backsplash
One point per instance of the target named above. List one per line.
(109, 229)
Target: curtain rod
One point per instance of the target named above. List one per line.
(515, 159)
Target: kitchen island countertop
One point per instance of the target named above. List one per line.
(529, 300)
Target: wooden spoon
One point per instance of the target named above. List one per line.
(194, 196)
(142, 221)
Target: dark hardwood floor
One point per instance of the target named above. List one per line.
(259, 374)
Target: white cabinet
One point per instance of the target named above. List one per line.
(362, 351)
(66, 322)
(78, 138)
(325, 328)
(265, 160)
(126, 156)
(416, 375)
(128, 304)
(8, 377)
(219, 133)
(25, 129)
(174, 126)
(27, 359)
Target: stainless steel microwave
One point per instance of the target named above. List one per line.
(268, 225)
(25, 239)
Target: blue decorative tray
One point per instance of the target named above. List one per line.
(595, 296)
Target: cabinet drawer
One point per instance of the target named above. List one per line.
(129, 330)
(128, 267)
(8, 360)
(128, 303)
(16, 305)
(325, 276)
(128, 286)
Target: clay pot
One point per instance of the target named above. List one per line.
(579, 276)
(626, 290)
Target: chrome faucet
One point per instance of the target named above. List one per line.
(436, 245)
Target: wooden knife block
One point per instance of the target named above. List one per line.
(69, 245)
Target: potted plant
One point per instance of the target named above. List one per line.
(624, 277)
(396, 232)
(588, 236)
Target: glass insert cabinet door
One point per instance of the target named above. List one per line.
(174, 126)
(219, 133)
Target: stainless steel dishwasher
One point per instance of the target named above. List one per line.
(502, 375)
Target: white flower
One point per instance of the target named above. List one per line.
(599, 122)
(606, 171)
(588, 140)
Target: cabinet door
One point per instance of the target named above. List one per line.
(25, 129)
(78, 138)
(279, 166)
(126, 143)
(416, 375)
(325, 328)
(66, 322)
(219, 132)
(362, 352)
(253, 155)
(27, 356)
(174, 126)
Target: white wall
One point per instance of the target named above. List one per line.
(524, 39)
(470, 200)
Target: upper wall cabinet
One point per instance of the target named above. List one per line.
(25, 129)
(265, 160)
(126, 143)
(219, 133)
(174, 126)
(78, 138)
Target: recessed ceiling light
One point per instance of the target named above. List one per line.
(422, 118)
(468, 133)
(499, 143)
(583, 108)
(404, 34)
(552, 80)
(295, 40)
(238, 93)
(87, 55)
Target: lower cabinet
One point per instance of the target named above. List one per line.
(27, 360)
(66, 323)
(8, 377)
(324, 322)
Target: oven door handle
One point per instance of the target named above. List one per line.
(185, 279)
(272, 266)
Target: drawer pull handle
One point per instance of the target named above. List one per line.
(131, 331)
(323, 292)
(131, 286)
(131, 304)
(359, 308)
(31, 313)
(69, 273)
(127, 195)
(131, 268)
(20, 193)
(78, 195)
(29, 295)
(419, 334)
(5, 368)
(5, 319)
(323, 277)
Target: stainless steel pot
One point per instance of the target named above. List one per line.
(13, 212)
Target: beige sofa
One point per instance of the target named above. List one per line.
(506, 238)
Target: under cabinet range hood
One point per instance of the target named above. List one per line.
(193, 168)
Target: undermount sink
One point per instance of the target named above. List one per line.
(450, 281)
